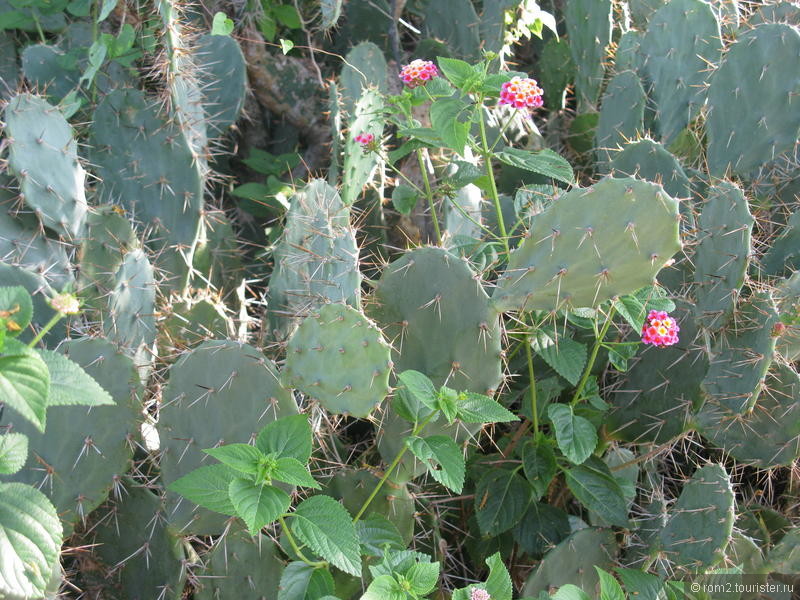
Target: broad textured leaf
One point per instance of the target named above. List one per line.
(498, 584)
(541, 528)
(477, 408)
(501, 499)
(419, 386)
(595, 488)
(13, 452)
(445, 114)
(457, 71)
(289, 436)
(257, 504)
(384, 588)
(30, 540)
(640, 585)
(576, 436)
(207, 487)
(544, 162)
(443, 459)
(539, 464)
(566, 356)
(327, 528)
(241, 457)
(610, 589)
(70, 385)
(377, 533)
(423, 577)
(398, 562)
(290, 470)
(25, 385)
(300, 581)
(16, 307)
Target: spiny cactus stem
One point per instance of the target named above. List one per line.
(598, 342)
(391, 468)
(487, 161)
(296, 548)
(50, 324)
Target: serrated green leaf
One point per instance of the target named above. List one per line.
(30, 540)
(422, 577)
(292, 471)
(378, 534)
(570, 591)
(576, 436)
(632, 310)
(384, 588)
(498, 584)
(477, 408)
(25, 384)
(241, 457)
(457, 71)
(594, 487)
(70, 385)
(257, 504)
(16, 309)
(13, 452)
(300, 581)
(566, 356)
(445, 114)
(398, 562)
(443, 459)
(289, 436)
(327, 528)
(539, 464)
(544, 162)
(501, 499)
(610, 589)
(541, 528)
(446, 401)
(640, 585)
(207, 487)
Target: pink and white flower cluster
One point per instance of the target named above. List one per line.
(418, 72)
(521, 93)
(365, 139)
(660, 329)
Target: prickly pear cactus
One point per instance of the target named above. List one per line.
(621, 115)
(589, 25)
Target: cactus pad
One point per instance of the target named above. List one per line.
(621, 114)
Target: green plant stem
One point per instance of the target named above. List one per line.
(503, 129)
(391, 468)
(55, 319)
(429, 195)
(296, 548)
(486, 153)
(532, 377)
(593, 356)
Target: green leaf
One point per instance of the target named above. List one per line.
(221, 25)
(25, 384)
(539, 464)
(289, 436)
(327, 528)
(544, 162)
(498, 584)
(97, 55)
(404, 199)
(300, 581)
(384, 588)
(419, 386)
(446, 401)
(241, 457)
(632, 310)
(105, 10)
(207, 487)
(576, 436)
(570, 591)
(13, 452)
(542, 527)
(443, 459)
(378, 534)
(262, 200)
(70, 385)
(620, 353)
(654, 297)
(286, 45)
(445, 113)
(423, 577)
(257, 504)
(501, 499)
(268, 26)
(16, 309)
(566, 356)
(610, 589)
(594, 487)
(477, 408)
(287, 14)
(640, 585)
(292, 471)
(30, 541)
(457, 71)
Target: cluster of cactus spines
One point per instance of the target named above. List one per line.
(589, 24)
(316, 260)
(43, 67)
(240, 566)
(591, 245)
(219, 393)
(83, 454)
(700, 523)
(573, 561)
(43, 157)
(649, 160)
(779, 12)
(766, 436)
(743, 135)
(722, 255)
(222, 77)
(682, 41)
(140, 556)
(742, 354)
(621, 115)
(359, 166)
(339, 357)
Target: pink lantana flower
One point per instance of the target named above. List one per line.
(660, 329)
(365, 139)
(478, 594)
(521, 93)
(418, 72)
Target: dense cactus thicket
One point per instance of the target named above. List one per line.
(387, 300)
